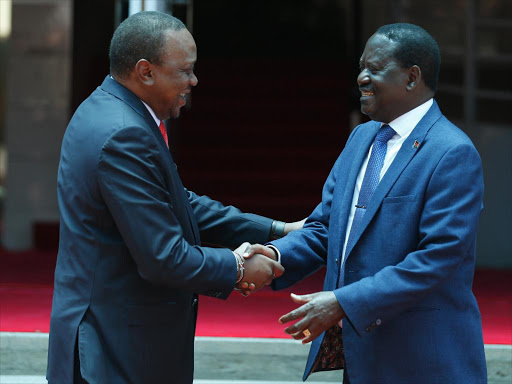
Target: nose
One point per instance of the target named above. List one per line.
(194, 80)
(363, 78)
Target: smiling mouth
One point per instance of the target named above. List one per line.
(367, 93)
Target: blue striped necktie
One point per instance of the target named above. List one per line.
(370, 182)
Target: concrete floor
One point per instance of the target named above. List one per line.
(217, 361)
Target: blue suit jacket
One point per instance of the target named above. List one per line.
(411, 313)
(129, 263)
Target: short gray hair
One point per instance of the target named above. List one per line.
(140, 36)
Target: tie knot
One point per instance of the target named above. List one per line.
(385, 133)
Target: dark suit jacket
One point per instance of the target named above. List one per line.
(411, 313)
(129, 264)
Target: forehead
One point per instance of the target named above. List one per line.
(179, 46)
(379, 48)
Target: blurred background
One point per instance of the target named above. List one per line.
(276, 100)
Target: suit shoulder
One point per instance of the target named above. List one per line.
(446, 134)
(109, 109)
(101, 115)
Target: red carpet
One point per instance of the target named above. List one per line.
(26, 281)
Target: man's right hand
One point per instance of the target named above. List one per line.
(260, 271)
(254, 249)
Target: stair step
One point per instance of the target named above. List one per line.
(242, 361)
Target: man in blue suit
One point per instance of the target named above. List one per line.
(396, 229)
(130, 264)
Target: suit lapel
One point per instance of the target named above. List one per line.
(409, 148)
(117, 90)
(347, 190)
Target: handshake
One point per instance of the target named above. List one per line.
(260, 267)
(318, 311)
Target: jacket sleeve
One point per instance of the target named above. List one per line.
(227, 226)
(447, 230)
(303, 252)
(134, 188)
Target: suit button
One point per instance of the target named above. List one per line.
(378, 322)
(368, 329)
(336, 261)
(194, 302)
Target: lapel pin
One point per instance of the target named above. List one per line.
(416, 144)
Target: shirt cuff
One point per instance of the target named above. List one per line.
(277, 252)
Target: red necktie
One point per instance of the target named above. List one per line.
(163, 131)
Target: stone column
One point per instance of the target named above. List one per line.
(38, 97)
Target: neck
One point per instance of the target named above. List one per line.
(134, 87)
(419, 100)
(423, 98)
(130, 85)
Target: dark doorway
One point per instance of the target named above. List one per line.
(93, 26)
(270, 113)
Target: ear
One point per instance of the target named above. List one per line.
(144, 72)
(414, 77)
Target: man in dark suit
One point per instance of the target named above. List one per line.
(396, 229)
(130, 264)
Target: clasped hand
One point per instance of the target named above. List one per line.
(260, 267)
(319, 311)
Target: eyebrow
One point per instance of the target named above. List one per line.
(374, 63)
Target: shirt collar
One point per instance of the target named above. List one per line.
(157, 120)
(403, 125)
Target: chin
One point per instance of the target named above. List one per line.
(372, 114)
(175, 113)
(366, 112)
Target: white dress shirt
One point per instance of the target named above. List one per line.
(403, 126)
(157, 120)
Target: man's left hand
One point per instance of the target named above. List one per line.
(319, 312)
